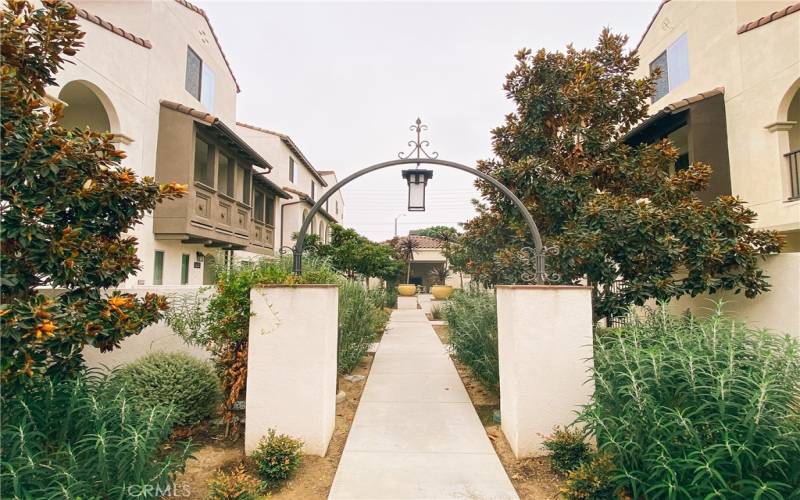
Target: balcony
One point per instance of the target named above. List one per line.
(793, 162)
(229, 204)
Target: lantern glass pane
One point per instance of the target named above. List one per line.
(416, 197)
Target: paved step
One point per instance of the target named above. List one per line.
(416, 434)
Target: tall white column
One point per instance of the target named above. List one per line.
(545, 350)
(291, 364)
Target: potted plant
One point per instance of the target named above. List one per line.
(405, 248)
(441, 291)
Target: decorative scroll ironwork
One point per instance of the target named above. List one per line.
(285, 249)
(534, 268)
(418, 146)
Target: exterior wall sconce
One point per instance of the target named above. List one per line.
(417, 181)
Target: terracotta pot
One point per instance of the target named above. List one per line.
(407, 290)
(441, 292)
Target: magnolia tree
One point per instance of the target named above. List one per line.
(66, 204)
(620, 219)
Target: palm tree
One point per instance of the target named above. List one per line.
(405, 247)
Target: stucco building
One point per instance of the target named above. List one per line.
(729, 95)
(153, 72)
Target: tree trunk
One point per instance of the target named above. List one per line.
(408, 272)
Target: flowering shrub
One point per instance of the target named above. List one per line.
(235, 485)
(277, 457)
(567, 450)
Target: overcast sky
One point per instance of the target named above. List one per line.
(345, 80)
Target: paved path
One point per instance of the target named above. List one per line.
(416, 434)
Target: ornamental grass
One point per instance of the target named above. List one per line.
(694, 408)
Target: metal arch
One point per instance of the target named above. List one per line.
(539, 250)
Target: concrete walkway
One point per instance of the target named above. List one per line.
(416, 434)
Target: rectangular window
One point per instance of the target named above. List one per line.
(337, 206)
(207, 88)
(270, 215)
(291, 169)
(313, 191)
(194, 68)
(200, 79)
(674, 66)
(225, 175)
(258, 206)
(244, 185)
(158, 268)
(203, 162)
(185, 269)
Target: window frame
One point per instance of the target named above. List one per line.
(158, 267)
(292, 170)
(258, 215)
(231, 173)
(189, 53)
(211, 161)
(672, 75)
(185, 269)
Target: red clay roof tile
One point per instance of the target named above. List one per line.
(110, 27)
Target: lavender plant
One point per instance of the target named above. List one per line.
(698, 408)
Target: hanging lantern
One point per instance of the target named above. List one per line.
(417, 180)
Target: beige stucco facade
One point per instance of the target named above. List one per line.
(746, 53)
(134, 58)
(759, 70)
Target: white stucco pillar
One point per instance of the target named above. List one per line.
(291, 364)
(544, 338)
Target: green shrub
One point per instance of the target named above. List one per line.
(277, 457)
(383, 297)
(690, 408)
(234, 485)
(74, 439)
(360, 319)
(472, 321)
(592, 480)
(174, 379)
(568, 450)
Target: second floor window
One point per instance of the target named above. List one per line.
(259, 200)
(291, 169)
(674, 66)
(243, 189)
(200, 80)
(313, 191)
(225, 175)
(203, 162)
(263, 207)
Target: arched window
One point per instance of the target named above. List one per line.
(87, 106)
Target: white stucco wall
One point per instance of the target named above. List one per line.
(291, 364)
(777, 310)
(154, 338)
(544, 336)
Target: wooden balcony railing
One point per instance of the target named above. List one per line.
(793, 159)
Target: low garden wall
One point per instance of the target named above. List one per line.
(777, 310)
(157, 337)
